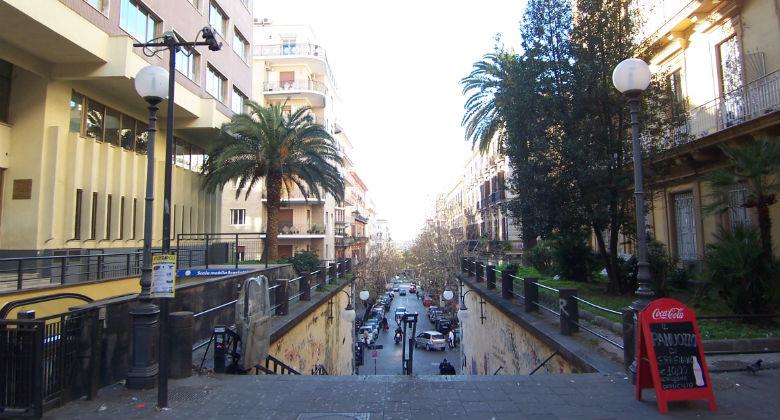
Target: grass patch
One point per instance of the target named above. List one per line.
(596, 292)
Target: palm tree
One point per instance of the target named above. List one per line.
(757, 167)
(485, 86)
(287, 151)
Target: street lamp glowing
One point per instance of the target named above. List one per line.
(152, 83)
(447, 295)
(364, 295)
(631, 75)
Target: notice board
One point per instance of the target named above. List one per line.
(670, 356)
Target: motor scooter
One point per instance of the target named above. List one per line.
(397, 338)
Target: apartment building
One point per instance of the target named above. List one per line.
(291, 69)
(73, 137)
(722, 60)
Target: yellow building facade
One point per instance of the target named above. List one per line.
(722, 61)
(73, 137)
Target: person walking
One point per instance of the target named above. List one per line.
(446, 368)
(451, 339)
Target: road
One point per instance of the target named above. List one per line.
(389, 361)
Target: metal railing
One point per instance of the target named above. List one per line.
(219, 249)
(29, 272)
(289, 49)
(743, 104)
(295, 85)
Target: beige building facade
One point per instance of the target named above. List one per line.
(73, 137)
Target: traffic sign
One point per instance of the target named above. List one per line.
(375, 354)
(375, 347)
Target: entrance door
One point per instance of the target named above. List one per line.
(685, 224)
(286, 79)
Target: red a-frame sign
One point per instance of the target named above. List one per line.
(670, 356)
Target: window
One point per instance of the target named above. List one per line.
(198, 157)
(135, 219)
(76, 111)
(5, 89)
(738, 213)
(77, 215)
(93, 216)
(217, 19)
(238, 101)
(112, 126)
(187, 61)
(100, 5)
(94, 120)
(289, 46)
(215, 83)
(122, 217)
(127, 133)
(237, 216)
(195, 3)
(141, 137)
(108, 217)
(678, 98)
(137, 21)
(182, 154)
(240, 44)
(685, 224)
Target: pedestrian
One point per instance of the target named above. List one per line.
(365, 337)
(446, 368)
(451, 339)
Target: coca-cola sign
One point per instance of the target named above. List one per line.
(671, 313)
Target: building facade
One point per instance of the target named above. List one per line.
(73, 137)
(722, 61)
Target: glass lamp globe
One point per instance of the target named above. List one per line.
(463, 314)
(364, 295)
(348, 314)
(447, 295)
(152, 83)
(631, 75)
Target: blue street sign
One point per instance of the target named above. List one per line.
(210, 272)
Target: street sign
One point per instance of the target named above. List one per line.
(163, 276)
(375, 354)
(210, 272)
(375, 346)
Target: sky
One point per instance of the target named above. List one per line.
(397, 66)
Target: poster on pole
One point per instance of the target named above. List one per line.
(163, 276)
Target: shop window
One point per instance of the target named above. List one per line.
(76, 112)
(94, 121)
(112, 126)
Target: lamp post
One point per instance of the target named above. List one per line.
(631, 77)
(348, 314)
(150, 83)
(171, 43)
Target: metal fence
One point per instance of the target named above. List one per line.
(28, 272)
(47, 361)
(218, 249)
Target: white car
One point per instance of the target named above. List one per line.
(431, 340)
(368, 330)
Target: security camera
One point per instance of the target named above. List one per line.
(208, 36)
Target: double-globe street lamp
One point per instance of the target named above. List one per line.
(151, 85)
(631, 77)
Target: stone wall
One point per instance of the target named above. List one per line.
(499, 341)
(321, 337)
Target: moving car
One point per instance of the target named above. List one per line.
(402, 292)
(399, 312)
(412, 289)
(431, 340)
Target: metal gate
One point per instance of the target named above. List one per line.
(47, 361)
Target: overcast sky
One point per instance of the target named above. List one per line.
(397, 65)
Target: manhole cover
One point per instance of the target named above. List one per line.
(334, 416)
(188, 393)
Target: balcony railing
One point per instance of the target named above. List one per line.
(746, 103)
(285, 50)
(295, 85)
(287, 229)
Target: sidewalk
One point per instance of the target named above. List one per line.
(740, 395)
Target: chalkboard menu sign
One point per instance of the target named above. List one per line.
(670, 357)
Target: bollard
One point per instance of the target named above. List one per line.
(570, 315)
(180, 344)
(507, 285)
(480, 269)
(281, 298)
(629, 340)
(531, 291)
(305, 286)
(491, 276)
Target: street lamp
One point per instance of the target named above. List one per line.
(151, 84)
(631, 77)
(348, 314)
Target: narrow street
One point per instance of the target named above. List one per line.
(389, 360)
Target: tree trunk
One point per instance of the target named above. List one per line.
(612, 278)
(273, 187)
(765, 229)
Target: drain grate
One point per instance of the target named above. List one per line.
(334, 416)
(188, 393)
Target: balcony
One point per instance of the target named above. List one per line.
(296, 198)
(751, 101)
(312, 90)
(288, 231)
(344, 242)
(360, 218)
(310, 54)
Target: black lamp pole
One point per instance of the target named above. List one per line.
(171, 43)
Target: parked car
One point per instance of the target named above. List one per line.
(434, 315)
(412, 289)
(369, 330)
(399, 312)
(431, 340)
(396, 288)
(402, 292)
(443, 325)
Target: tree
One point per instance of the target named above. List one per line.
(435, 255)
(287, 151)
(756, 166)
(382, 262)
